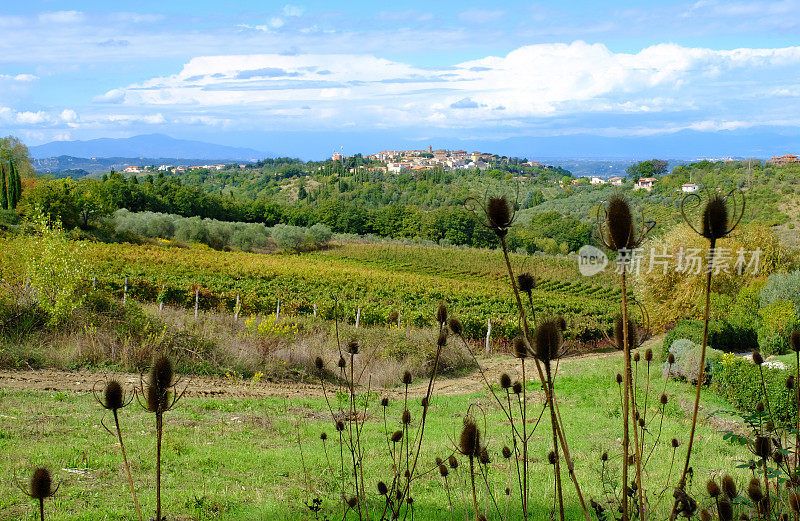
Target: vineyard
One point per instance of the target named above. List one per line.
(377, 279)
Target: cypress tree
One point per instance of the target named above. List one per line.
(17, 186)
(3, 195)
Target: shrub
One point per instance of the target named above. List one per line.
(723, 335)
(687, 360)
(738, 380)
(782, 287)
(777, 321)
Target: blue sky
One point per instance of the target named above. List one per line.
(242, 73)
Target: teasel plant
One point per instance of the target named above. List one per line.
(717, 222)
(500, 217)
(404, 444)
(113, 399)
(618, 232)
(39, 488)
(160, 394)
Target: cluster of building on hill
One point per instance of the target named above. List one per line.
(643, 183)
(400, 160)
(174, 169)
(783, 160)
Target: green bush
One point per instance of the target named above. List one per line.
(778, 320)
(687, 360)
(723, 335)
(782, 287)
(738, 380)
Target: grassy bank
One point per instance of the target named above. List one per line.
(240, 459)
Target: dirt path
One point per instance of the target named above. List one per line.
(210, 387)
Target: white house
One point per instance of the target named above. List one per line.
(597, 180)
(646, 183)
(616, 181)
(689, 188)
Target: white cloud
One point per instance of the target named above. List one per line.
(68, 115)
(112, 96)
(276, 22)
(33, 118)
(536, 81)
(293, 10)
(61, 17)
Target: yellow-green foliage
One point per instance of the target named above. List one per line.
(675, 295)
(47, 266)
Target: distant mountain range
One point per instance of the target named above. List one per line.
(145, 146)
(75, 167)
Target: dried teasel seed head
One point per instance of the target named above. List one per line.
(619, 232)
(424, 402)
(161, 373)
(670, 359)
(452, 461)
(384, 402)
(41, 484)
(664, 399)
(339, 425)
(406, 417)
(619, 378)
(648, 355)
(470, 439)
(455, 326)
(397, 436)
(551, 457)
(441, 340)
(794, 340)
(481, 517)
(352, 502)
(725, 510)
(319, 364)
(113, 396)
(506, 452)
(517, 387)
(754, 491)
(636, 357)
(729, 486)
(712, 488)
(342, 364)
(441, 314)
(604, 456)
(705, 515)
(505, 381)
(407, 377)
(641, 422)
(382, 488)
(498, 213)
(757, 358)
(790, 382)
(438, 461)
(715, 218)
(353, 346)
(760, 407)
(526, 282)
(323, 436)
(520, 351)
(484, 456)
(508, 491)
(443, 470)
(794, 502)
(675, 443)
(549, 340)
(777, 457)
(633, 334)
(398, 495)
(392, 318)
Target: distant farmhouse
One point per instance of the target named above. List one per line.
(616, 181)
(783, 160)
(689, 188)
(646, 183)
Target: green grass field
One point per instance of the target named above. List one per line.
(238, 459)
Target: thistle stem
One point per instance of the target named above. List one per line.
(626, 396)
(701, 369)
(127, 466)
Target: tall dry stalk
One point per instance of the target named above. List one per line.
(717, 223)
